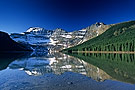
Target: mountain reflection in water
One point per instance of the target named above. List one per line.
(57, 63)
(57, 71)
(7, 58)
(120, 67)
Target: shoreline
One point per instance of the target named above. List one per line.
(120, 52)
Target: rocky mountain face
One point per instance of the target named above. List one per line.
(119, 37)
(33, 36)
(37, 37)
(56, 40)
(61, 39)
(8, 45)
(95, 30)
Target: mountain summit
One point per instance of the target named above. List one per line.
(58, 39)
(119, 37)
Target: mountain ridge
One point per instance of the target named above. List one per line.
(59, 39)
(119, 37)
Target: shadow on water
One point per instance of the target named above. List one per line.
(120, 67)
(7, 58)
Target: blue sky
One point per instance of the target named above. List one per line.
(19, 15)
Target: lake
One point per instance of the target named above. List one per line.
(58, 71)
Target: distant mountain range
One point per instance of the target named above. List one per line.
(119, 37)
(58, 39)
(97, 37)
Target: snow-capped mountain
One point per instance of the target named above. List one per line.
(39, 31)
(33, 36)
(58, 39)
(61, 39)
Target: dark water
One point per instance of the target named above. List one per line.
(57, 71)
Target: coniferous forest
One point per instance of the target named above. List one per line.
(119, 37)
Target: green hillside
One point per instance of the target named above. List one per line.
(119, 37)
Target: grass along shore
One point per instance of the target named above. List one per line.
(128, 52)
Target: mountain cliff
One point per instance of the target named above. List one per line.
(59, 39)
(95, 30)
(119, 37)
(33, 36)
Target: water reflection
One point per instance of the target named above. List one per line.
(57, 63)
(119, 66)
(57, 71)
(7, 58)
(97, 66)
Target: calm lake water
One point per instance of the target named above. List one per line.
(57, 71)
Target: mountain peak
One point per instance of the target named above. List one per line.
(99, 23)
(59, 30)
(34, 29)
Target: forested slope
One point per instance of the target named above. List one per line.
(119, 37)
